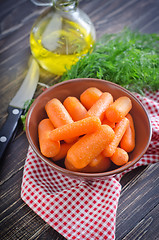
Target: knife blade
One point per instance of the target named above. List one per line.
(16, 106)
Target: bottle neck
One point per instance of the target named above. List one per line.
(65, 5)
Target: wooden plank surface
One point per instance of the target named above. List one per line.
(138, 210)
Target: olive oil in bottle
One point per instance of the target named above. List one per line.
(60, 36)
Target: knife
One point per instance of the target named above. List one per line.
(16, 106)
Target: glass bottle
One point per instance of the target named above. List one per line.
(61, 35)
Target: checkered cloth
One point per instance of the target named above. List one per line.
(78, 209)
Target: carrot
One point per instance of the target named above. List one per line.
(75, 108)
(96, 160)
(102, 165)
(47, 147)
(119, 130)
(64, 147)
(71, 167)
(99, 107)
(90, 96)
(120, 157)
(75, 129)
(58, 115)
(107, 122)
(89, 146)
(128, 139)
(119, 109)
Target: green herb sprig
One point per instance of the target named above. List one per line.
(130, 59)
(27, 105)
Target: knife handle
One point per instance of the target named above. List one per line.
(7, 130)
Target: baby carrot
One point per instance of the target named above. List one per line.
(71, 167)
(102, 165)
(75, 108)
(120, 157)
(119, 130)
(58, 115)
(64, 147)
(99, 107)
(90, 96)
(89, 146)
(97, 160)
(128, 140)
(107, 122)
(119, 109)
(76, 129)
(47, 147)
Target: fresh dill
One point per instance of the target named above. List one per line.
(128, 58)
(26, 107)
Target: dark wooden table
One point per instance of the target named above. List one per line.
(138, 210)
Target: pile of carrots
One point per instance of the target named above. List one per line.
(89, 133)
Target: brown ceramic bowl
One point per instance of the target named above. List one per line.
(75, 87)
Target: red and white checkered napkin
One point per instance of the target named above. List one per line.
(77, 209)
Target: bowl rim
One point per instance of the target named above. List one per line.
(65, 171)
